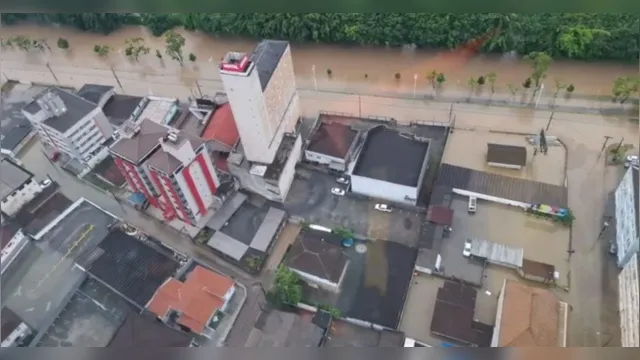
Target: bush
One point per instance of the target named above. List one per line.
(440, 78)
(288, 289)
(192, 57)
(527, 83)
(571, 88)
(329, 72)
(397, 76)
(481, 80)
(63, 43)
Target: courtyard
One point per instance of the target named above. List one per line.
(468, 148)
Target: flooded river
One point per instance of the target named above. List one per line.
(348, 64)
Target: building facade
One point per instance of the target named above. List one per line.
(17, 186)
(69, 123)
(172, 170)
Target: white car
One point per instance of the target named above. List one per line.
(632, 158)
(45, 183)
(342, 180)
(383, 207)
(337, 191)
(466, 252)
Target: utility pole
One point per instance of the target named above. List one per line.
(604, 144)
(549, 123)
(619, 145)
(117, 80)
(315, 81)
(198, 86)
(52, 74)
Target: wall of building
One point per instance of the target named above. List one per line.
(495, 339)
(13, 249)
(629, 303)
(249, 110)
(321, 158)
(384, 190)
(491, 198)
(17, 199)
(626, 217)
(289, 170)
(280, 91)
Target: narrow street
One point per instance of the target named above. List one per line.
(593, 282)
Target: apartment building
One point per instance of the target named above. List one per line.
(69, 123)
(262, 94)
(173, 170)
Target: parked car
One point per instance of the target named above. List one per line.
(337, 191)
(383, 207)
(45, 183)
(613, 248)
(632, 160)
(466, 252)
(342, 180)
(473, 202)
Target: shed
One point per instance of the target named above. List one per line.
(498, 254)
(506, 156)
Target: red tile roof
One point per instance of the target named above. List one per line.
(440, 215)
(222, 127)
(196, 299)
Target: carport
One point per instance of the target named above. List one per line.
(440, 215)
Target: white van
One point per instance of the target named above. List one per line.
(473, 201)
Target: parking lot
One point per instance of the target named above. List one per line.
(468, 149)
(312, 200)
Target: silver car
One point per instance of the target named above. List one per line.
(337, 191)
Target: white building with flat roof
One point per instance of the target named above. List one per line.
(69, 123)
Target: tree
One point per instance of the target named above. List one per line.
(624, 87)
(397, 76)
(559, 87)
(22, 42)
(63, 43)
(491, 78)
(431, 77)
(366, 76)
(101, 50)
(481, 80)
(192, 57)
(570, 89)
(40, 45)
(135, 47)
(540, 62)
(472, 82)
(158, 54)
(329, 72)
(512, 88)
(527, 83)
(440, 79)
(174, 44)
(573, 41)
(288, 289)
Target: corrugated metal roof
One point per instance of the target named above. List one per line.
(505, 187)
(267, 229)
(497, 253)
(228, 245)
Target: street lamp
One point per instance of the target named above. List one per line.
(315, 82)
(415, 82)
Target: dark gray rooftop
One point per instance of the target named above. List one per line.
(275, 328)
(42, 209)
(77, 108)
(505, 187)
(314, 253)
(140, 331)
(390, 156)
(130, 267)
(93, 92)
(12, 177)
(507, 154)
(119, 108)
(266, 57)
(14, 126)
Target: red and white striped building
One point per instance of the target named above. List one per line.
(172, 170)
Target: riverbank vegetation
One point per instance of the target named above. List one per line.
(575, 35)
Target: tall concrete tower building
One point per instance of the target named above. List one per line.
(261, 89)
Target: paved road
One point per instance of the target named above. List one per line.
(588, 179)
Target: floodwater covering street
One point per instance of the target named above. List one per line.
(593, 279)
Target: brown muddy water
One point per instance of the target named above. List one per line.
(348, 64)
